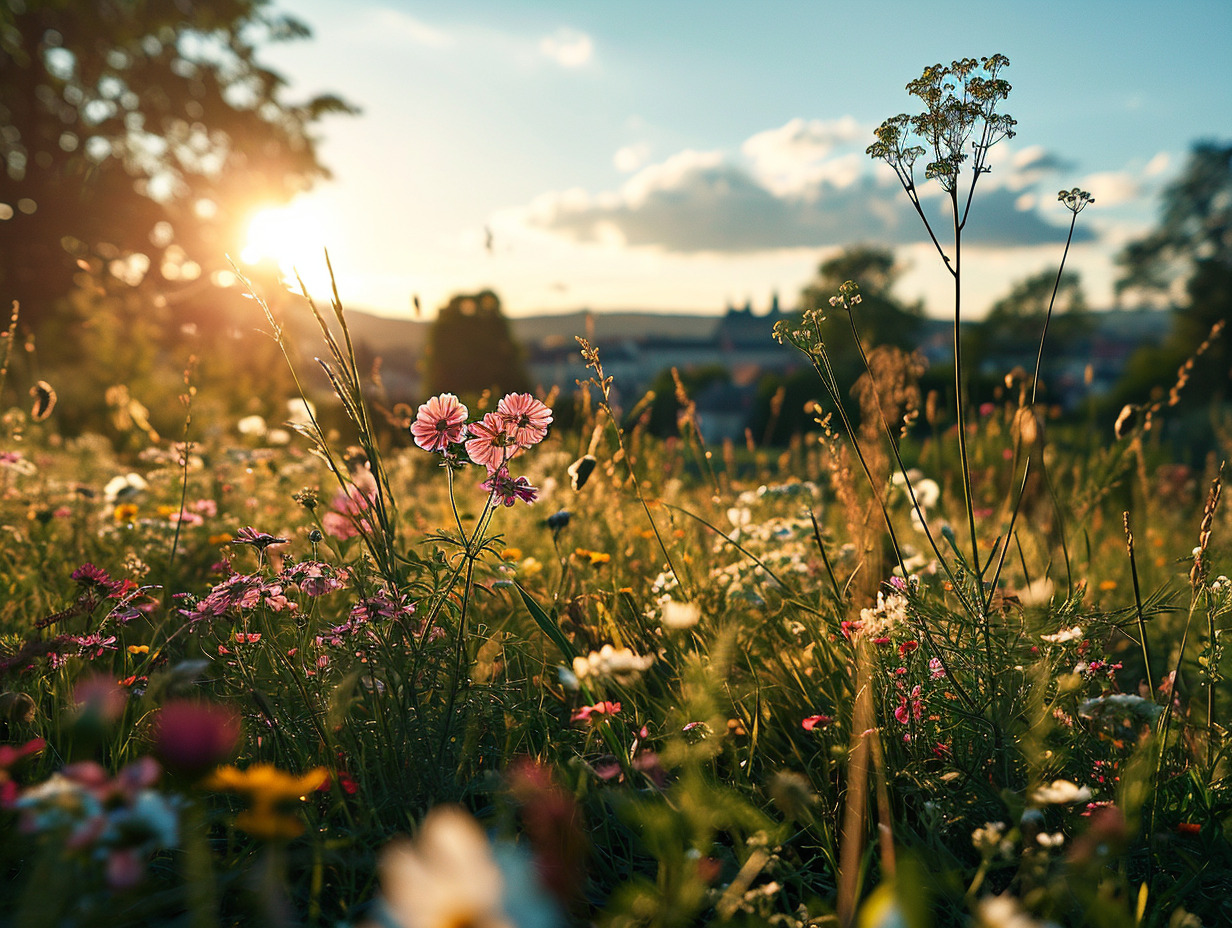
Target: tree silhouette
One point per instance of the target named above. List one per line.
(137, 136)
(471, 348)
(1188, 258)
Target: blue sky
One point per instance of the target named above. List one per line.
(682, 155)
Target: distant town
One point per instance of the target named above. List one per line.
(637, 347)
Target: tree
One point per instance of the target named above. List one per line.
(471, 348)
(1188, 258)
(1010, 333)
(882, 318)
(137, 136)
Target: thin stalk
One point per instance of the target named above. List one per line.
(1133, 572)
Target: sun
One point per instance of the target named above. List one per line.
(291, 236)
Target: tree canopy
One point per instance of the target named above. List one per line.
(1188, 258)
(137, 137)
(471, 348)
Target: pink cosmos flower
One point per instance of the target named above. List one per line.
(492, 442)
(439, 423)
(527, 416)
(508, 490)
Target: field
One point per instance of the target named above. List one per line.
(511, 660)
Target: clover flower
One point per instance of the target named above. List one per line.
(439, 423)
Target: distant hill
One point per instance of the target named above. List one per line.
(390, 336)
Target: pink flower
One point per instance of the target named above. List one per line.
(596, 713)
(508, 490)
(815, 721)
(528, 418)
(492, 442)
(439, 423)
(909, 709)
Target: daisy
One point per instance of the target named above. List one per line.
(439, 423)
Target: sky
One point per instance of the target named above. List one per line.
(691, 154)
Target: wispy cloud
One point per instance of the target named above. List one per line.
(395, 25)
(569, 48)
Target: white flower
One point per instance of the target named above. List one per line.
(253, 426)
(1003, 912)
(619, 664)
(1043, 839)
(1037, 592)
(1061, 793)
(124, 486)
(889, 613)
(446, 877)
(1073, 633)
(680, 615)
(991, 840)
(300, 411)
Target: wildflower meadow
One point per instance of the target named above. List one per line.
(512, 661)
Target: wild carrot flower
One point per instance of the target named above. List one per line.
(492, 442)
(439, 423)
(527, 417)
(507, 490)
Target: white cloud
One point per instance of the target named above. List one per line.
(568, 47)
(704, 202)
(394, 24)
(1111, 188)
(792, 159)
(1158, 165)
(631, 157)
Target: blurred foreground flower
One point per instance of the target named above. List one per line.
(193, 737)
(269, 791)
(450, 876)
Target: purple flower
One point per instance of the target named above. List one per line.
(509, 490)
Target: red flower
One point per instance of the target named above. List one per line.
(815, 721)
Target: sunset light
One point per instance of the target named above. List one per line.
(291, 236)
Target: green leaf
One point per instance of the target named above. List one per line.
(548, 624)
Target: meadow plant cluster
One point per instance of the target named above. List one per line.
(451, 667)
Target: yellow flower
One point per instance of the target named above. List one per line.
(222, 539)
(138, 649)
(125, 512)
(268, 790)
(511, 554)
(1107, 585)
